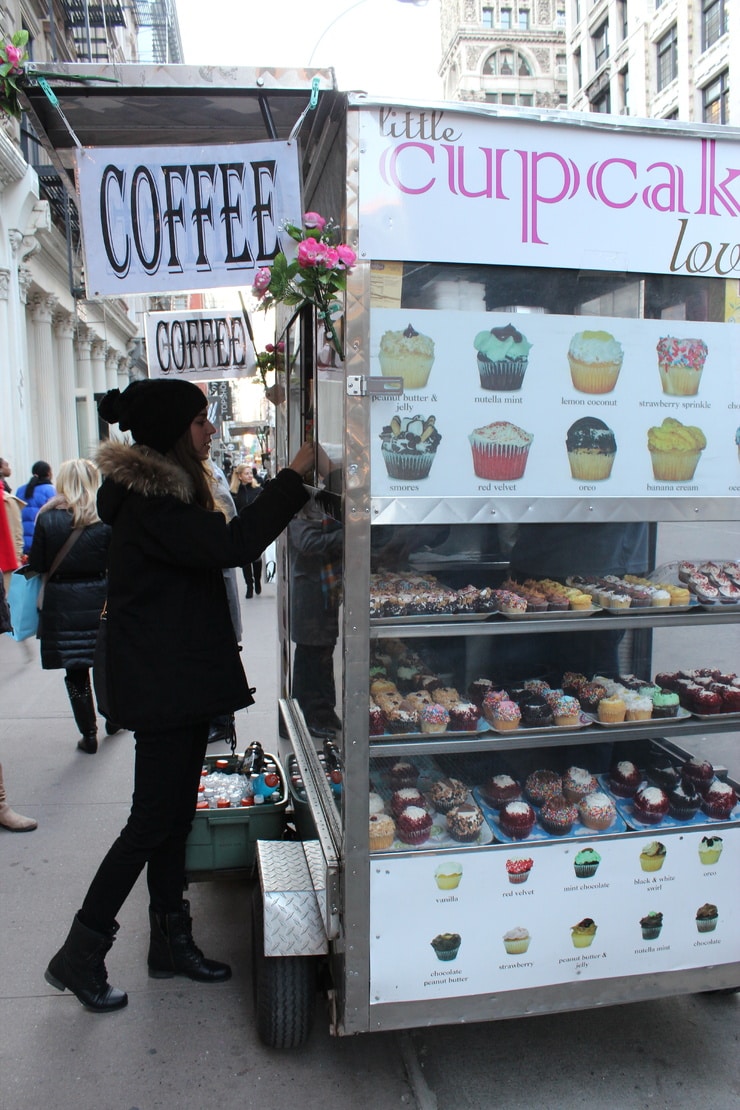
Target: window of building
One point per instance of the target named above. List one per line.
(524, 19)
(603, 102)
(560, 65)
(508, 98)
(667, 58)
(601, 44)
(577, 10)
(671, 115)
(505, 19)
(526, 100)
(486, 17)
(713, 22)
(622, 19)
(507, 63)
(624, 87)
(560, 17)
(716, 99)
(578, 68)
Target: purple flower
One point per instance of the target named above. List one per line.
(314, 221)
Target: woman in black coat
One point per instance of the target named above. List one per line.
(74, 595)
(172, 663)
(245, 487)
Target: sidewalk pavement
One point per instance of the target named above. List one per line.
(183, 1044)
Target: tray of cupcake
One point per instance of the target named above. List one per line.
(712, 583)
(634, 596)
(548, 806)
(428, 811)
(531, 704)
(671, 794)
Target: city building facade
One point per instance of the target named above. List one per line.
(60, 351)
(659, 59)
(505, 52)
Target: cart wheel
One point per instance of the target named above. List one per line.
(284, 989)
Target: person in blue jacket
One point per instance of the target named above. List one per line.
(36, 492)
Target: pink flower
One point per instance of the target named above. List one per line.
(310, 251)
(330, 258)
(280, 347)
(314, 220)
(262, 281)
(346, 257)
(13, 54)
(270, 347)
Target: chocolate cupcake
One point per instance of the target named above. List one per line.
(517, 820)
(558, 815)
(464, 823)
(536, 713)
(683, 801)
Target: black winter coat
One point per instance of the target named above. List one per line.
(74, 597)
(173, 657)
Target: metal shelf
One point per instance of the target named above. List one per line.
(527, 738)
(497, 625)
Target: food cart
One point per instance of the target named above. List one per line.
(489, 437)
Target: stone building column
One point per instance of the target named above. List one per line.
(97, 354)
(111, 368)
(7, 406)
(88, 427)
(122, 374)
(43, 380)
(64, 332)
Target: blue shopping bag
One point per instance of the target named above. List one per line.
(23, 597)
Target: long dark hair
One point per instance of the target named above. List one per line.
(182, 453)
(41, 476)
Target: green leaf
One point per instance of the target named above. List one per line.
(20, 38)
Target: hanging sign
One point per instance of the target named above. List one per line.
(443, 186)
(200, 345)
(162, 219)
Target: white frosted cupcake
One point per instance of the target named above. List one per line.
(595, 359)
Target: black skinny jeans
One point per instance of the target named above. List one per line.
(166, 776)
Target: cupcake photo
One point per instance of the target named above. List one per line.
(675, 449)
(408, 355)
(500, 451)
(595, 359)
(447, 876)
(518, 870)
(503, 355)
(446, 946)
(409, 445)
(516, 940)
(583, 933)
(651, 925)
(706, 918)
(680, 364)
(652, 856)
(591, 449)
(586, 862)
(710, 849)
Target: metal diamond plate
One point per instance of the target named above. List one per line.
(293, 880)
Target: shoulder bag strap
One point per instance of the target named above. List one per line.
(60, 556)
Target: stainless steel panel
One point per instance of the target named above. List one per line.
(292, 875)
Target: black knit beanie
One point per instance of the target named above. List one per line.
(156, 411)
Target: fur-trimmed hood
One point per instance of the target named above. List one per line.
(130, 468)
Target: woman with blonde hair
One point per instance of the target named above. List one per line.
(70, 546)
(245, 489)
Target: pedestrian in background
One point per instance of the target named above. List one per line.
(5, 473)
(173, 663)
(74, 594)
(245, 486)
(37, 491)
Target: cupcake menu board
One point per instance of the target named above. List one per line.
(532, 915)
(503, 405)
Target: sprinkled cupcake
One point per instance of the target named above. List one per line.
(680, 365)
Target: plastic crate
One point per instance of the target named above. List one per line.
(304, 822)
(224, 840)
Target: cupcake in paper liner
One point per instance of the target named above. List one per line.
(503, 356)
(651, 925)
(586, 863)
(595, 359)
(408, 355)
(675, 449)
(710, 849)
(409, 446)
(680, 364)
(500, 451)
(707, 917)
(583, 933)
(446, 946)
(591, 448)
(517, 940)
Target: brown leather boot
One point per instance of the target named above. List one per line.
(9, 819)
